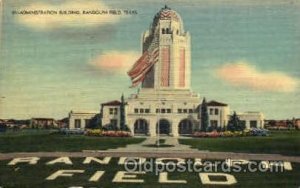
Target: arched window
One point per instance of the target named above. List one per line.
(163, 31)
(163, 126)
(177, 32)
(141, 126)
(185, 127)
(167, 31)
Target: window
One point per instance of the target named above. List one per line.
(216, 111)
(168, 110)
(157, 110)
(136, 110)
(179, 110)
(111, 111)
(253, 124)
(211, 111)
(168, 31)
(147, 111)
(77, 123)
(87, 122)
(185, 111)
(141, 111)
(163, 31)
(163, 110)
(190, 111)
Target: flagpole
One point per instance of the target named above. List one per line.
(156, 89)
(159, 111)
(159, 104)
(158, 120)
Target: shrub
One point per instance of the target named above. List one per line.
(98, 132)
(248, 132)
(94, 132)
(110, 127)
(228, 134)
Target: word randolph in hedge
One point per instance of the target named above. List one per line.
(135, 171)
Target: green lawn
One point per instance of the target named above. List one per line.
(282, 142)
(24, 175)
(41, 140)
(279, 142)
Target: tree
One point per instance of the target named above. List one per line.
(289, 124)
(95, 122)
(234, 123)
(204, 115)
(123, 125)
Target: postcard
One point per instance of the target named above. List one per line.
(99, 93)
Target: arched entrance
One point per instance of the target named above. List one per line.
(163, 127)
(185, 127)
(140, 126)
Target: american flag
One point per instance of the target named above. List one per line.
(143, 65)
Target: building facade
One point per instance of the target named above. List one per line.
(252, 119)
(43, 123)
(165, 103)
(218, 114)
(80, 120)
(111, 114)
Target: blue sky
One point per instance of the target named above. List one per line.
(244, 53)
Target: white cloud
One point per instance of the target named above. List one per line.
(243, 74)
(115, 61)
(55, 21)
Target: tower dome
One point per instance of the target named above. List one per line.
(167, 13)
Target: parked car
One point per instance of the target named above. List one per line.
(259, 132)
(3, 127)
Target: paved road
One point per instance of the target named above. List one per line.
(179, 154)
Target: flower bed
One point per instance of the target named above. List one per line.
(98, 132)
(248, 132)
(116, 133)
(212, 134)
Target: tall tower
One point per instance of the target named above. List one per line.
(165, 100)
(173, 68)
(1, 20)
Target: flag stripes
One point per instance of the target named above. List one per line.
(143, 65)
